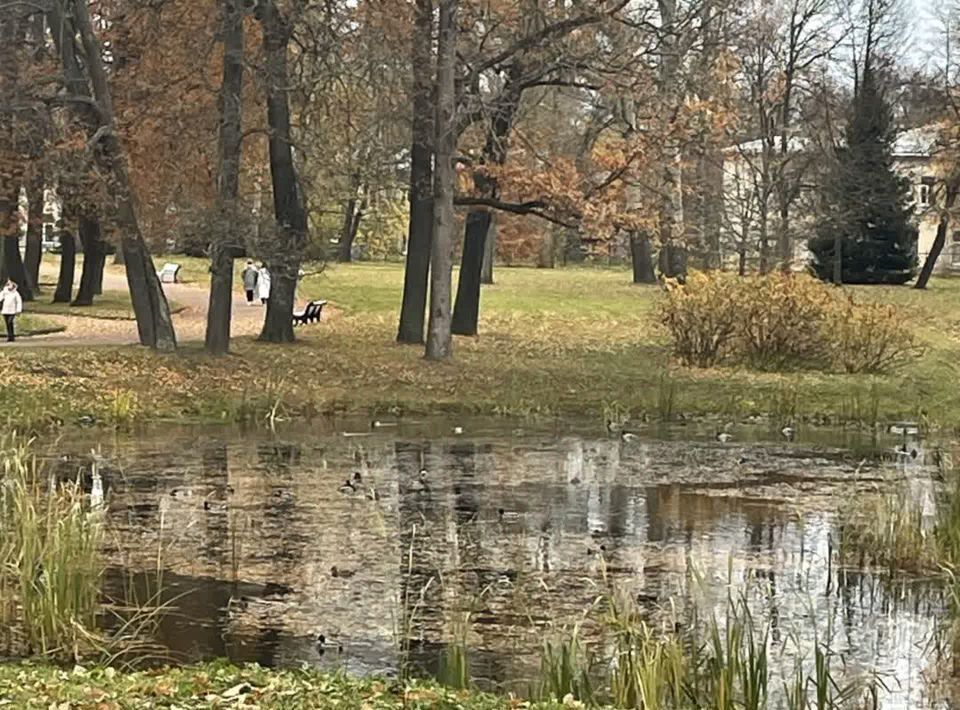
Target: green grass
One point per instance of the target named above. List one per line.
(577, 341)
(221, 685)
(50, 563)
(110, 305)
(29, 324)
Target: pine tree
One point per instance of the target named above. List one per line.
(866, 206)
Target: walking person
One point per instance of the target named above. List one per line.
(263, 284)
(250, 276)
(11, 305)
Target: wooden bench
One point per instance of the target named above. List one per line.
(310, 314)
(169, 273)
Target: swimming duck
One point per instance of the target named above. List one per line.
(508, 516)
(357, 477)
(458, 430)
(347, 487)
(789, 433)
(628, 437)
(724, 437)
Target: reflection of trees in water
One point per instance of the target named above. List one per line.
(566, 504)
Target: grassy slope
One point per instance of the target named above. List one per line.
(564, 341)
(29, 324)
(218, 685)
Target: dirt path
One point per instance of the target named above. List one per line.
(190, 322)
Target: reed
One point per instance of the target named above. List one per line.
(50, 565)
(565, 670)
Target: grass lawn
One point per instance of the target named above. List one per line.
(553, 342)
(218, 685)
(111, 305)
(29, 324)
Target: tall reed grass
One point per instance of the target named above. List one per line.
(50, 565)
(721, 662)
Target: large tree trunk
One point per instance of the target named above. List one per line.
(13, 267)
(672, 252)
(466, 310)
(93, 256)
(421, 181)
(439, 336)
(154, 324)
(641, 255)
(288, 205)
(34, 251)
(101, 265)
(939, 241)
(68, 263)
(489, 251)
(220, 307)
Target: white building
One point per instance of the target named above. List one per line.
(914, 153)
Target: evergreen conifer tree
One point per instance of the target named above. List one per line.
(866, 206)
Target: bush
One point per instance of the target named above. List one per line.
(775, 320)
(781, 317)
(868, 337)
(701, 316)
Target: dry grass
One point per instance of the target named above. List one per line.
(573, 341)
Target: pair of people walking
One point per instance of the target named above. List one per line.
(11, 305)
(256, 282)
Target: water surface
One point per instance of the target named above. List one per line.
(521, 528)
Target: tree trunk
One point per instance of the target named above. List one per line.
(89, 230)
(34, 251)
(154, 324)
(345, 247)
(838, 260)
(288, 206)
(419, 235)
(672, 253)
(641, 255)
(439, 337)
(939, 241)
(10, 229)
(68, 263)
(98, 276)
(466, 310)
(220, 307)
(546, 254)
(489, 252)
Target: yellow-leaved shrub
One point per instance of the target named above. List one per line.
(781, 320)
(868, 337)
(701, 316)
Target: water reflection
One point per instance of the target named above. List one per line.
(280, 562)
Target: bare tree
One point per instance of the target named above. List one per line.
(68, 22)
(439, 336)
(219, 311)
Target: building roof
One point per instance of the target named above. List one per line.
(916, 142)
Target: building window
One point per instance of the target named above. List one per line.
(925, 192)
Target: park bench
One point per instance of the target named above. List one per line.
(168, 274)
(310, 314)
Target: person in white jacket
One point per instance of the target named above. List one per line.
(11, 305)
(263, 284)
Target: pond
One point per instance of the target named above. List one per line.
(508, 533)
